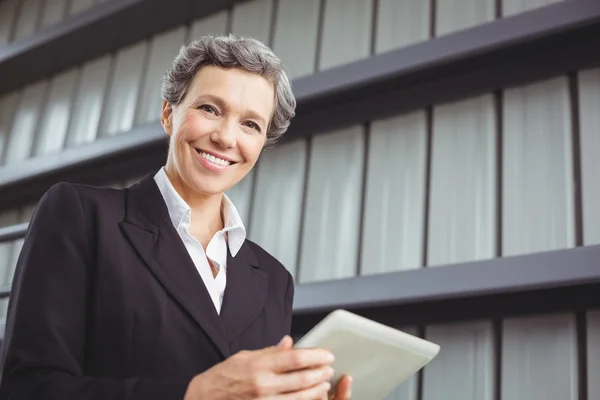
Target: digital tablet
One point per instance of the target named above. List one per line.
(378, 357)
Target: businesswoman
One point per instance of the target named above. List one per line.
(154, 292)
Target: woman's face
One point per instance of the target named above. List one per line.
(219, 129)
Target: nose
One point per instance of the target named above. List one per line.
(224, 134)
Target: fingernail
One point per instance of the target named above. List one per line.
(329, 371)
(282, 339)
(330, 357)
(326, 386)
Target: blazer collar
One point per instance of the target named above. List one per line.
(149, 229)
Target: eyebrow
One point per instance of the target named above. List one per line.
(223, 105)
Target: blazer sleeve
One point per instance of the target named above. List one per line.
(289, 302)
(44, 349)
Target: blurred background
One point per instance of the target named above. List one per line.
(441, 175)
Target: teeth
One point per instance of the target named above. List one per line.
(214, 160)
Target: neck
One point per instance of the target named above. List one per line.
(206, 209)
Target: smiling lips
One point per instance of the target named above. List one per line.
(212, 162)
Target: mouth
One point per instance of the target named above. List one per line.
(214, 160)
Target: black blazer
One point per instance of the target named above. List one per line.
(107, 304)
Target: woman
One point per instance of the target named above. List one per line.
(154, 292)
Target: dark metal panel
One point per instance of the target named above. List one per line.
(556, 281)
(541, 282)
(524, 273)
(92, 33)
(106, 160)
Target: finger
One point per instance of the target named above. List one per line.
(300, 380)
(297, 359)
(286, 343)
(343, 391)
(315, 392)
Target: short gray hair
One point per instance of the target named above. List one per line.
(233, 51)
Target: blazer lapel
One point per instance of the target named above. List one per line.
(151, 233)
(245, 292)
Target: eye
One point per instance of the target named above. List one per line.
(208, 108)
(252, 125)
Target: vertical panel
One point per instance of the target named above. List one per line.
(462, 209)
(346, 32)
(7, 218)
(163, 49)
(25, 216)
(510, 7)
(8, 106)
(78, 6)
(54, 12)
(593, 354)
(8, 19)
(241, 196)
(53, 125)
(539, 358)
(25, 123)
(333, 201)
(120, 106)
(454, 15)
(464, 369)
(253, 18)
(408, 389)
(27, 21)
(589, 118)
(215, 24)
(277, 205)
(395, 195)
(295, 40)
(400, 23)
(538, 211)
(89, 98)
(3, 313)
(276, 213)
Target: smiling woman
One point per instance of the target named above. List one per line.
(153, 291)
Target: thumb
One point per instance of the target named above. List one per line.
(285, 343)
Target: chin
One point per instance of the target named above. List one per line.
(204, 186)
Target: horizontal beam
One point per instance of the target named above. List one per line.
(100, 30)
(12, 232)
(105, 161)
(542, 282)
(501, 275)
(556, 281)
(546, 42)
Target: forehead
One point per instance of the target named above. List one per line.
(237, 87)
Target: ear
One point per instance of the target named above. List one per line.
(166, 117)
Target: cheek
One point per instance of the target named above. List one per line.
(251, 148)
(192, 127)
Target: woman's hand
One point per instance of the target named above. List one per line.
(275, 373)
